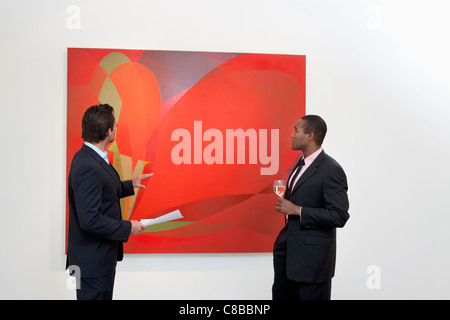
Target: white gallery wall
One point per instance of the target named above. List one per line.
(377, 72)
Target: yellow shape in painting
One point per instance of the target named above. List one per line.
(167, 226)
(108, 94)
(112, 61)
(126, 171)
(113, 147)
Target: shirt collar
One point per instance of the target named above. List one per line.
(309, 159)
(101, 153)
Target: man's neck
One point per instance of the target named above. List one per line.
(310, 150)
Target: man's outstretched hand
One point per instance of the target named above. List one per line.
(137, 180)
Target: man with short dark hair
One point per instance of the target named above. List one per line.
(96, 229)
(315, 204)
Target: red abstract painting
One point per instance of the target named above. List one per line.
(214, 128)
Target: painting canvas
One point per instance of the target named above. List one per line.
(214, 128)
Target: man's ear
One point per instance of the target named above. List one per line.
(109, 133)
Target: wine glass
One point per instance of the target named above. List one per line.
(279, 187)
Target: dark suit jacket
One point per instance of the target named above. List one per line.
(311, 244)
(96, 228)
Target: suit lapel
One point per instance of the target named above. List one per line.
(309, 172)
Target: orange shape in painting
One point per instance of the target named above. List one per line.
(140, 112)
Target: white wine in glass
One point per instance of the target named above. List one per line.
(279, 187)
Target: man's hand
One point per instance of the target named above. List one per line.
(286, 207)
(137, 180)
(137, 227)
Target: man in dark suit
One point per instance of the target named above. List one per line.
(96, 229)
(315, 204)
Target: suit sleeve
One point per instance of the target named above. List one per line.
(127, 188)
(88, 199)
(334, 212)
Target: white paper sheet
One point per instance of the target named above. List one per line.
(167, 217)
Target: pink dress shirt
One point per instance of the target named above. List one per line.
(308, 160)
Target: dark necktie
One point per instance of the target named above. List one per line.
(291, 181)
